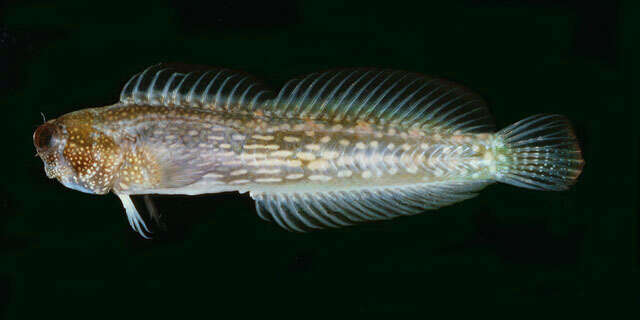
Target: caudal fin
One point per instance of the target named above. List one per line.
(540, 152)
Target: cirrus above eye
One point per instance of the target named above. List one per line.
(43, 136)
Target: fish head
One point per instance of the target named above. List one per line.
(76, 152)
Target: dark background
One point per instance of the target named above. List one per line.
(67, 253)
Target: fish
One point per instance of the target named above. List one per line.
(328, 150)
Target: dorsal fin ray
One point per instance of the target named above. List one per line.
(388, 97)
(190, 86)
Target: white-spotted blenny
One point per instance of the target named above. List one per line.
(329, 149)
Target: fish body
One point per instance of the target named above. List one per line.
(329, 150)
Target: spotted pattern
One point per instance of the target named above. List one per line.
(139, 149)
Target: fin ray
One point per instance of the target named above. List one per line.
(392, 97)
(541, 152)
(215, 89)
(305, 211)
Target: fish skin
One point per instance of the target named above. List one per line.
(153, 148)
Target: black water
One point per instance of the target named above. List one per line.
(67, 253)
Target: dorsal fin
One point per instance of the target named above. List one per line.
(190, 86)
(396, 98)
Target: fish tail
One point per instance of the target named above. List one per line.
(540, 152)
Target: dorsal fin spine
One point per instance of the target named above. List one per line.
(153, 83)
(165, 90)
(402, 117)
(450, 121)
(195, 85)
(346, 94)
(464, 124)
(224, 83)
(175, 98)
(324, 87)
(387, 97)
(404, 102)
(281, 93)
(418, 115)
(126, 86)
(293, 94)
(233, 91)
(371, 94)
(457, 126)
(253, 101)
(359, 93)
(435, 115)
(333, 93)
(244, 94)
(369, 110)
(137, 86)
(382, 111)
(205, 95)
(304, 110)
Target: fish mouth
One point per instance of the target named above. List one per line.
(51, 174)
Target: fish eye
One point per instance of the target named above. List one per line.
(43, 136)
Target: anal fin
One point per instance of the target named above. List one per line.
(305, 211)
